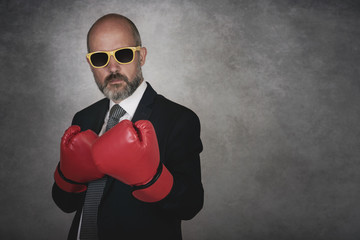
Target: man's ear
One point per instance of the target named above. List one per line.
(143, 52)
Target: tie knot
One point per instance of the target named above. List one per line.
(117, 112)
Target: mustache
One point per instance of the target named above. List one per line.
(117, 76)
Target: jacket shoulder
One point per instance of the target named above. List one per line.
(94, 108)
(172, 109)
(91, 113)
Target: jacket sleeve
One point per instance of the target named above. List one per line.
(182, 158)
(67, 202)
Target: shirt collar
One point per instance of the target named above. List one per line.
(131, 103)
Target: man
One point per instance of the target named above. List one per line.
(147, 170)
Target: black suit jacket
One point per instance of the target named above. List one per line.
(121, 216)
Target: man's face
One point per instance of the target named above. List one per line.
(116, 81)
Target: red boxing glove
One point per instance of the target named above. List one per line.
(76, 165)
(130, 153)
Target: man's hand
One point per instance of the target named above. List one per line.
(130, 153)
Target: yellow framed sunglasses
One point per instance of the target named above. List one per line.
(100, 59)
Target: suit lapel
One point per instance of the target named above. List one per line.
(144, 108)
(101, 112)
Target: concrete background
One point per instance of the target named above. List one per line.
(275, 84)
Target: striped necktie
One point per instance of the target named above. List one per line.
(95, 189)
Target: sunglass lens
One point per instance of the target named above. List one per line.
(99, 59)
(124, 55)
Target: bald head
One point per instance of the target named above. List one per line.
(113, 22)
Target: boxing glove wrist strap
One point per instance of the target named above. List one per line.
(157, 189)
(65, 178)
(63, 183)
(153, 180)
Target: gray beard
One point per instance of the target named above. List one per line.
(115, 93)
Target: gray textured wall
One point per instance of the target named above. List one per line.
(275, 84)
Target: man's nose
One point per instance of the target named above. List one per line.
(113, 65)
